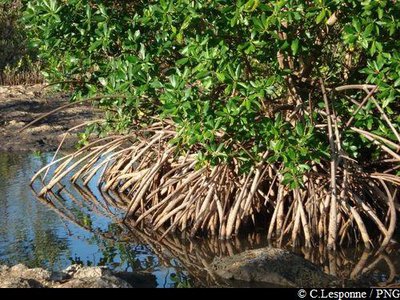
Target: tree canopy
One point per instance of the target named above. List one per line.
(305, 86)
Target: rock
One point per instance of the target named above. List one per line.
(37, 274)
(75, 276)
(3, 268)
(19, 276)
(14, 282)
(71, 270)
(94, 282)
(271, 265)
(92, 272)
(138, 280)
(59, 276)
(91, 277)
(16, 123)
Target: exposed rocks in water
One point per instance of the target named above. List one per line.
(19, 276)
(75, 276)
(273, 266)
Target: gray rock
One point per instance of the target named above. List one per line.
(20, 276)
(94, 282)
(271, 265)
(59, 276)
(91, 272)
(16, 123)
(3, 268)
(71, 270)
(75, 276)
(15, 282)
(37, 274)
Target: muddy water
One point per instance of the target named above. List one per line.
(82, 225)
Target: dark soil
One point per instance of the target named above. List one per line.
(20, 105)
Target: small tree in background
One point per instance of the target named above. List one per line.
(18, 63)
(236, 112)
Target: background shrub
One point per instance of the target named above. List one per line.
(18, 62)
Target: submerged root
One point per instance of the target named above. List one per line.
(161, 190)
(192, 254)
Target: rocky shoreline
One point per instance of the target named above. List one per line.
(75, 276)
(264, 267)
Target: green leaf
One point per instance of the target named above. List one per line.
(182, 61)
(295, 46)
(357, 25)
(220, 76)
(142, 51)
(179, 37)
(397, 82)
(251, 5)
(173, 81)
(380, 13)
(132, 59)
(320, 16)
(368, 30)
(300, 129)
(238, 71)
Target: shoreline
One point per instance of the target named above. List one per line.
(74, 276)
(21, 104)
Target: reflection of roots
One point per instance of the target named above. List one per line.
(163, 190)
(194, 255)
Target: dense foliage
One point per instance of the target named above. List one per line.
(242, 81)
(228, 73)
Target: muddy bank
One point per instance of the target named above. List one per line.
(20, 105)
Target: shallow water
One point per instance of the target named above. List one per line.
(34, 234)
(82, 225)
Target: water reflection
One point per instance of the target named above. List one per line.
(34, 234)
(27, 234)
(193, 256)
(82, 224)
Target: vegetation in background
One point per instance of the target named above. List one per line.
(18, 63)
(223, 114)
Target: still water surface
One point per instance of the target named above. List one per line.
(79, 226)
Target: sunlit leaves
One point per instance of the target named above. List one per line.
(214, 68)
